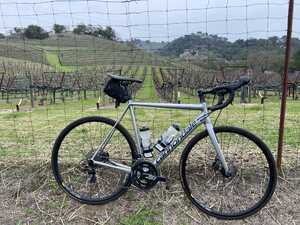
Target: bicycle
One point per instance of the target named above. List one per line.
(226, 172)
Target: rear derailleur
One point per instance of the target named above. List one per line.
(87, 166)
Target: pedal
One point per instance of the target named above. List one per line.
(161, 179)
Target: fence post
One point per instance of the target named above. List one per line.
(31, 92)
(285, 85)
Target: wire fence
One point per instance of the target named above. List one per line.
(175, 47)
(55, 56)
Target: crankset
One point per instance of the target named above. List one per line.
(145, 175)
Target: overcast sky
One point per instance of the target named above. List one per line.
(156, 19)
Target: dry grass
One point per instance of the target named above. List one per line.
(29, 195)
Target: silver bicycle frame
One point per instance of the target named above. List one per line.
(202, 118)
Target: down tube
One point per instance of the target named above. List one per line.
(183, 135)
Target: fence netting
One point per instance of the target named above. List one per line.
(55, 56)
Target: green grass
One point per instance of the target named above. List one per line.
(53, 61)
(148, 92)
(30, 133)
(142, 217)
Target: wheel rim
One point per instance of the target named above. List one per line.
(95, 183)
(239, 195)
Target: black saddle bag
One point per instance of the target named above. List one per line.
(118, 90)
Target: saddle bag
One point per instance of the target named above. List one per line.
(118, 90)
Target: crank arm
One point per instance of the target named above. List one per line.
(161, 179)
(157, 178)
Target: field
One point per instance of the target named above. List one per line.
(28, 192)
(30, 196)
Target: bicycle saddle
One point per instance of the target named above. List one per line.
(126, 79)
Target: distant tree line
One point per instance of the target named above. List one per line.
(213, 50)
(37, 32)
(97, 31)
(295, 65)
(58, 29)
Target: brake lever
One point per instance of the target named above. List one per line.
(201, 96)
(117, 104)
(221, 96)
(221, 99)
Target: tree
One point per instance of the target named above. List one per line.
(296, 61)
(80, 29)
(97, 31)
(17, 32)
(58, 29)
(2, 36)
(94, 31)
(109, 33)
(35, 32)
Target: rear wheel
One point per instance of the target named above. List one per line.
(74, 147)
(250, 185)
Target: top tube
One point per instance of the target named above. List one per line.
(200, 106)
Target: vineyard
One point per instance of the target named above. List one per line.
(68, 62)
(31, 89)
(29, 135)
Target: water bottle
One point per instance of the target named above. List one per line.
(146, 142)
(167, 137)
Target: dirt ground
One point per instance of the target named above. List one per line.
(29, 195)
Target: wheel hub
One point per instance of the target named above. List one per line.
(217, 165)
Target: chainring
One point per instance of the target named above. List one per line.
(144, 174)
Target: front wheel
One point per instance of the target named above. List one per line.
(251, 183)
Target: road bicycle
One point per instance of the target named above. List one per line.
(226, 172)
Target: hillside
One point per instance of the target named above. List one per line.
(74, 50)
(9, 49)
(267, 54)
(149, 46)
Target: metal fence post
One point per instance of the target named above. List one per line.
(31, 90)
(285, 85)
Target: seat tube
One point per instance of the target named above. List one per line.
(135, 128)
(215, 142)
